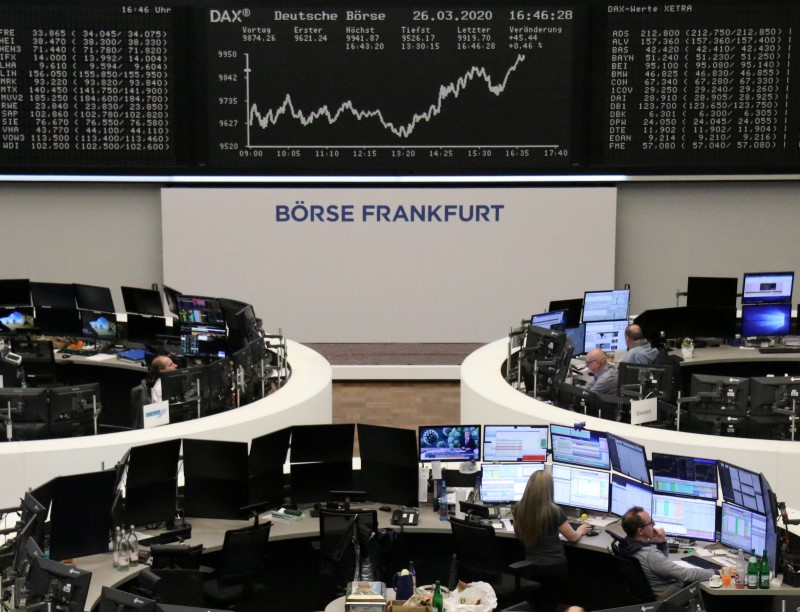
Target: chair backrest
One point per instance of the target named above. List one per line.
(243, 553)
(334, 524)
(638, 586)
(180, 587)
(477, 551)
(176, 556)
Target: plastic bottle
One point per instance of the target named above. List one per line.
(437, 601)
(752, 571)
(116, 547)
(413, 573)
(741, 571)
(443, 515)
(124, 553)
(133, 544)
(763, 571)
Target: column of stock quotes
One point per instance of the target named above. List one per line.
(403, 89)
(700, 85)
(85, 86)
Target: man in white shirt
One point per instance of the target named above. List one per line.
(162, 363)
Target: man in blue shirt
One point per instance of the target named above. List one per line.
(639, 349)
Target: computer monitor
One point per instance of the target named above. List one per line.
(577, 337)
(183, 389)
(712, 291)
(504, 483)
(687, 476)
(267, 455)
(743, 529)
(59, 321)
(389, 464)
(151, 485)
(742, 487)
(171, 299)
(689, 321)
(25, 551)
(606, 335)
(216, 475)
(15, 292)
(627, 493)
(72, 408)
(768, 392)
(218, 386)
(556, 319)
(66, 585)
(643, 381)
(145, 329)
(27, 404)
(628, 457)
(449, 442)
(721, 404)
(91, 297)
(542, 344)
(313, 482)
(102, 326)
(53, 295)
(686, 517)
(580, 487)
(328, 442)
(580, 447)
(611, 305)
(204, 341)
(515, 443)
(766, 319)
(200, 310)
(14, 319)
(573, 308)
(142, 301)
(114, 600)
(577, 399)
(764, 287)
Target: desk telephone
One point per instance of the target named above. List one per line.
(406, 516)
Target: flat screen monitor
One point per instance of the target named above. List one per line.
(573, 308)
(606, 335)
(330, 442)
(515, 443)
(59, 321)
(200, 310)
(555, 319)
(712, 291)
(74, 402)
(763, 287)
(576, 399)
(216, 474)
(579, 487)
(25, 550)
(744, 529)
(580, 447)
(770, 499)
(627, 493)
(723, 394)
(504, 483)
(145, 329)
(142, 301)
(389, 464)
(204, 341)
(114, 600)
(65, 584)
(689, 476)
(183, 389)
(53, 295)
(542, 344)
(640, 380)
(267, 455)
(219, 382)
(27, 404)
(449, 442)
(151, 486)
(686, 517)
(691, 321)
(611, 305)
(767, 392)
(102, 326)
(577, 338)
(742, 487)
(313, 482)
(15, 292)
(171, 299)
(91, 297)
(766, 319)
(13, 319)
(629, 458)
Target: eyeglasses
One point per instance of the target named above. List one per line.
(591, 361)
(650, 524)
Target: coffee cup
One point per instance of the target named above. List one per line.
(715, 581)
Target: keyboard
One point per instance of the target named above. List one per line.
(768, 350)
(701, 562)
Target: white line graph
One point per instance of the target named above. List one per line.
(454, 89)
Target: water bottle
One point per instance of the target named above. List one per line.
(752, 571)
(443, 515)
(116, 548)
(437, 601)
(133, 544)
(124, 553)
(741, 571)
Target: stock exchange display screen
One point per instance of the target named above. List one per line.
(236, 89)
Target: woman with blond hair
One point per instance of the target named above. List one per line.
(538, 521)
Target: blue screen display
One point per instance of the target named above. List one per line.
(766, 319)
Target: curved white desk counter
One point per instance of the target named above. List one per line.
(486, 398)
(305, 399)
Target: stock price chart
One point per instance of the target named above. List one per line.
(428, 89)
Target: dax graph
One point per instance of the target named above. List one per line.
(414, 90)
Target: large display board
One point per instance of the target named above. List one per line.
(179, 88)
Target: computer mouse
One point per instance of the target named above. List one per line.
(593, 532)
(66, 356)
(385, 508)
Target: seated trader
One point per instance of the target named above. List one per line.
(149, 390)
(649, 545)
(639, 349)
(605, 374)
(162, 363)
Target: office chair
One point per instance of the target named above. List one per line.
(638, 587)
(348, 547)
(175, 556)
(478, 557)
(239, 574)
